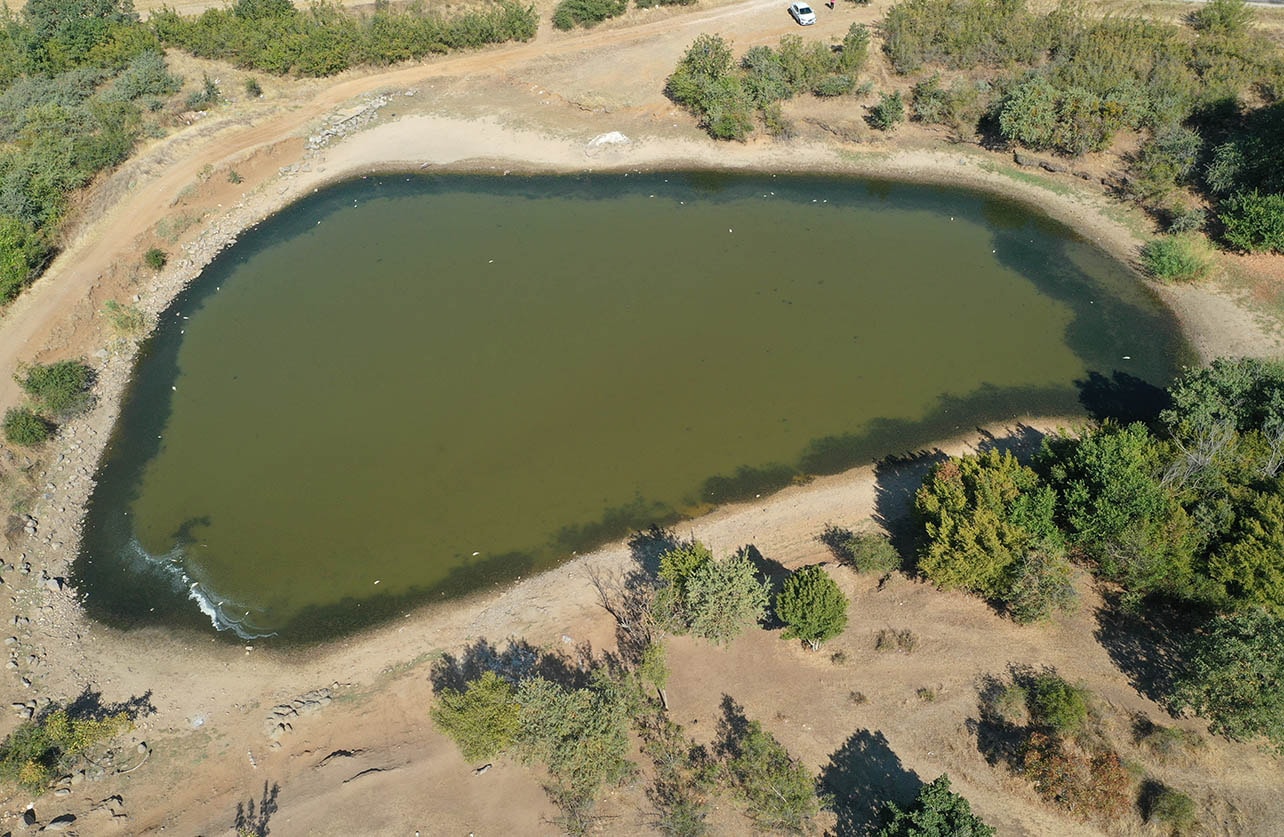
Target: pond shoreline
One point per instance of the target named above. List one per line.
(560, 602)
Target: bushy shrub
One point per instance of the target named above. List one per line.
(963, 34)
(1042, 585)
(22, 251)
(1056, 705)
(1222, 17)
(58, 389)
(33, 753)
(1177, 258)
(155, 258)
(778, 790)
(1253, 221)
(588, 13)
(482, 720)
(830, 86)
(1169, 808)
(1088, 785)
(715, 600)
(23, 427)
(855, 49)
(866, 552)
(888, 113)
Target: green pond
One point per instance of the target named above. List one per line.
(406, 388)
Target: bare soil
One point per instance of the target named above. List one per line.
(359, 754)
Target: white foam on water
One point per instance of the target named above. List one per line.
(208, 601)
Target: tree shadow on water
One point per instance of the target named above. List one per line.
(862, 776)
(253, 820)
(1122, 397)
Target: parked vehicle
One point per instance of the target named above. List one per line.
(802, 13)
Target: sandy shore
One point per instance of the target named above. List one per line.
(216, 733)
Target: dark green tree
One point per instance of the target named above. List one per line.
(1235, 676)
(937, 811)
(811, 606)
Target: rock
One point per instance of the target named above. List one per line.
(60, 823)
(77, 777)
(53, 585)
(62, 792)
(12, 640)
(1024, 159)
(29, 817)
(1048, 165)
(142, 747)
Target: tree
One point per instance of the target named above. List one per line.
(779, 791)
(1120, 512)
(980, 514)
(1235, 676)
(580, 735)
(653, 668)
(482, 719)
(1251, 564)
(725, 597)
(937, 811)
(812, 607)
(1042, 584)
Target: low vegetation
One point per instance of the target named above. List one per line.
(275, 36)
(41, 748)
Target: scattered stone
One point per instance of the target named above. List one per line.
(142, 747)
(54, 585)
(12, 640)
(77, 777)
(62, 792)
(29, 817)
(60, 823)
(480, 770)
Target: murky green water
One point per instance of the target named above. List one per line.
(403, 389)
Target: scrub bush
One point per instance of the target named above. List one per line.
(1177, 258)
(587, 13)
(58, 389)
(888, 113)
(23, 427)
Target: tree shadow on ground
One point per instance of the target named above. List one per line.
(896, 480)
(89, 704)
(862, 776)
(646, 546)
(1122, 397)
(627, 597)
(774, 572)
(1145, 641)
(999, 737)
(733, 727)
(516, 661)
(252, 819)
